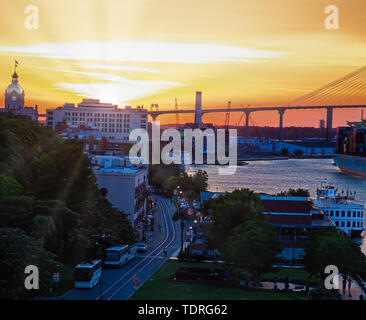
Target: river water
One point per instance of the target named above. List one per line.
(279, 175)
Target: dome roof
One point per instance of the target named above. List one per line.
(14, 87)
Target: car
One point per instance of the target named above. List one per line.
(141, 247)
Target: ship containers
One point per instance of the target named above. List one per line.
(358, 140)
(343, 133)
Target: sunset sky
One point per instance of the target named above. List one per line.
(138, 52)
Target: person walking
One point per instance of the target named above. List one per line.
(165, 252)
(349, 286)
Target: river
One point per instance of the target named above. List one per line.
(280, 175)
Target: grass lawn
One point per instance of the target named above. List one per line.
(159, 287)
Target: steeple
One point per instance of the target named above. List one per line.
(15, 75)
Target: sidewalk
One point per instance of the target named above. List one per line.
(356, 290)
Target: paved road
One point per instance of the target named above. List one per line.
(117, 283)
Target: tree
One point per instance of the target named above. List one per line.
(158, 173)
(44, 226)
(187, 183)
(65, 174)
(230, 210)
(253, 245)
(329, 247)
(299, 192)
(9, 186)
(18, 250)
(181, 215)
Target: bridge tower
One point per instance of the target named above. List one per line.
(198, 109)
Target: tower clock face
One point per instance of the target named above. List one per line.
(13, 98)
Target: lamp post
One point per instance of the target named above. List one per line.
(195, 229)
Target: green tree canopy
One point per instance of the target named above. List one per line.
(18, 250)
(9, 186)
(253, 245)
(231, 210)
(196, 183)
(329, 247)
(299, 192)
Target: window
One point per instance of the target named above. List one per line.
(343, 213)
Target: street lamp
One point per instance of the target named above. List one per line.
(195, 229)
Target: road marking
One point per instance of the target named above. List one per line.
(124, 275)
(173, 238)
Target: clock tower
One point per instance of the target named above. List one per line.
(14, 94)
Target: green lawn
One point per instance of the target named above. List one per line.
(159, 287)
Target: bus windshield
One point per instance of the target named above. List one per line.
(112, 255)
(82, 274)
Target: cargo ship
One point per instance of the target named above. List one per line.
(350, 154)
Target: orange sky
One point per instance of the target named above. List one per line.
(152, 51)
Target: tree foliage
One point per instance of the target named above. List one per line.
(187, 183)
(49, 197)
(18, 250)
(231, 210)
(299, 192)
(253, 245)
(329, 247)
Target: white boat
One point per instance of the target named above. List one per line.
(341, 208)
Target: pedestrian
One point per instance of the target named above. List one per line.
(344, 284)
(349, 286)
(361, 297)
(165, 252)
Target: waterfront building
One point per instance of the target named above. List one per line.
(114, 123)
(293, 218)
(14, 100)
(306, 147)
(125, 185)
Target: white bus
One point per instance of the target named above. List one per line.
(87, 275)
(119, 255)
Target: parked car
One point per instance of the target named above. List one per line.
(141, 247)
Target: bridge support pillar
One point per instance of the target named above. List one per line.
(198, 108)
(329, 128)
(154, 116)
(247, 113)
(281, 112)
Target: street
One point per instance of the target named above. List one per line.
(117, 283)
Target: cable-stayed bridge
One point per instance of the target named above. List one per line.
(348, 92)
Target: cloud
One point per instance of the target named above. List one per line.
(117, 89)
(127, 50)
(116, 68)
